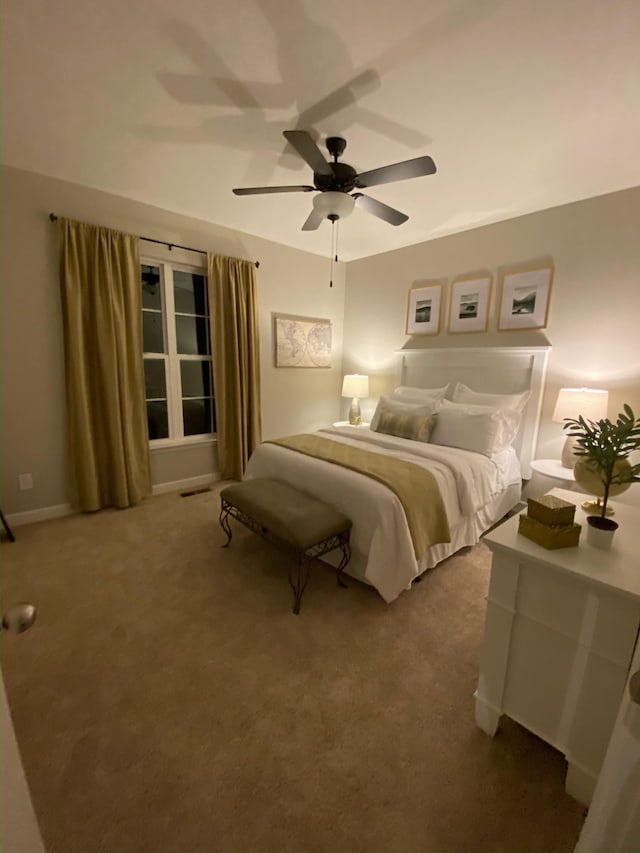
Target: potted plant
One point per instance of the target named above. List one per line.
(605, 447)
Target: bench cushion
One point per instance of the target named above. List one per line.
(285, 512)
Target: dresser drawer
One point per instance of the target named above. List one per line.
(602, 620)
(562, 690)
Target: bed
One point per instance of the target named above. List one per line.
(476, 488)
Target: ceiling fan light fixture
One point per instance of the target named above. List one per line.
(333, 205)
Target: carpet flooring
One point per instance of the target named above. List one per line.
(167, 699)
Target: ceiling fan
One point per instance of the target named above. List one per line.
(336, 181)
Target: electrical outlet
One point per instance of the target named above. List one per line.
(25, 481)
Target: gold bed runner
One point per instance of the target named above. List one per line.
(416, 487)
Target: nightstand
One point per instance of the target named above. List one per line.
(553, 468)
(347, 424)
(560, 632)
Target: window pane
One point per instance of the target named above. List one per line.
(192, 334)
(151, 297)
(196, 378)
(155, 382)
(197, 416)
(190, 292)
(158, 419)
(152, 338)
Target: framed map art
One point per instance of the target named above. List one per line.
(301, 341)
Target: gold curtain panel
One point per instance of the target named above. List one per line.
(106, 413)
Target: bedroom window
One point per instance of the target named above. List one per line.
(177, 353)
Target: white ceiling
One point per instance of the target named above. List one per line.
(523, 105)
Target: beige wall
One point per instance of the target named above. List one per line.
(33, 420)
(594, 246)
(592, 326)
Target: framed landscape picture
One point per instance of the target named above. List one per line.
(423, 310)
(469, 304)
(525, 299)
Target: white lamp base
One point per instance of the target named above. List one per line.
(569, 457)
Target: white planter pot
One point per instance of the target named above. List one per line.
(600, 531)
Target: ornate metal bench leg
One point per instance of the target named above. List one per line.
(303, 570)
(224, 523)
(346, 556)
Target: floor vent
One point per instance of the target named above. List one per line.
(195, 492)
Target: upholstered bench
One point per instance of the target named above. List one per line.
(301, 525)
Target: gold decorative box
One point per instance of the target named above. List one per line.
(550, 510)
(549, 536)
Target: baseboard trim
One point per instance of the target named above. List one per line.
(188, 483)
(31, 516)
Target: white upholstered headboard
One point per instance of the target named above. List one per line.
(501, 370)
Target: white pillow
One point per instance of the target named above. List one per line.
(402, 406)
(405, 392)
(483, 429)
(463, 394)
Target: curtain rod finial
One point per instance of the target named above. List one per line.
(53, 217)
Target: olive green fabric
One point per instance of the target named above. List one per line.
(285, 512)
(414, 427)
(236, 361)
(416, 487)
(108, 442)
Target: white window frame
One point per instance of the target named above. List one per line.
(172, 358)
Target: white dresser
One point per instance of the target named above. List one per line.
(560, 631)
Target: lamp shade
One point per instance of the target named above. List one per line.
(355, 385)
(591, 403)
(335, 204)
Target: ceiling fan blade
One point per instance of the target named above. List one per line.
(313, 221)
(397, 172)
(308, 150)
(382, 211)
(262, 190)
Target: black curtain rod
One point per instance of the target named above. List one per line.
(54, 218)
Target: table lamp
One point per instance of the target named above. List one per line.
(355, 385)
(591, 403)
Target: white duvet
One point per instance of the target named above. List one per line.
(382, 550)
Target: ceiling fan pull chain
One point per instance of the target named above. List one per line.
(334, 244)
(332, 250)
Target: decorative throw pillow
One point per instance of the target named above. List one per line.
(402, 406)
(414, 427)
